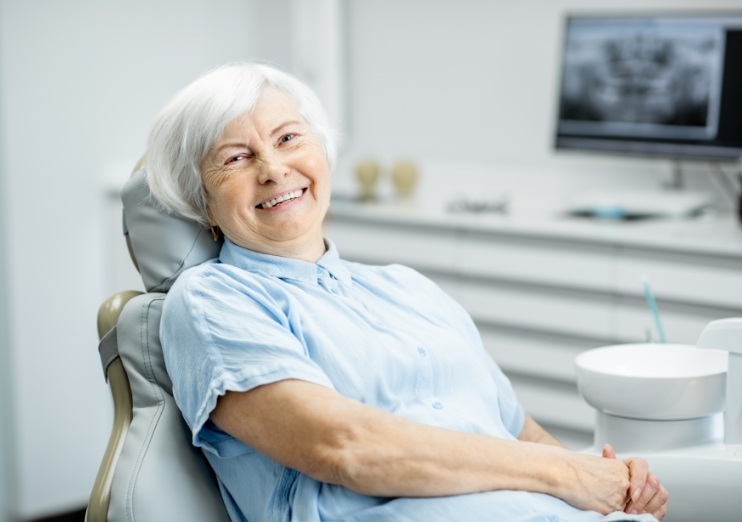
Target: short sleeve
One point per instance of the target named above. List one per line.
(221, 334)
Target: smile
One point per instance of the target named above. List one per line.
(281, 199)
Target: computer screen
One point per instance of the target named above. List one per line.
(667, 85)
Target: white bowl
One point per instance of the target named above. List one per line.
(653, 381)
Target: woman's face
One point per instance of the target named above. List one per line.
(267, 181)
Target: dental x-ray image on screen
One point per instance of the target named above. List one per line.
(643, 78)
(651, 84)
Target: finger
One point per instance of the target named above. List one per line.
(658, 501)
(660, 513)
(650, 498)
(609, 452)
(657, 506)
(639, 474)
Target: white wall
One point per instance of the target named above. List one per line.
(80, 82)
(6, 476)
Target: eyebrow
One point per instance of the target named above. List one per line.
(272, 133)
(227, 145)
(285, 124)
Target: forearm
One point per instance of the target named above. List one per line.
(397, 457)
(336, 440)
(408, 459)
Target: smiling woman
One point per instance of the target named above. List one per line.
(321, 389)
(188, 128)
(267, 180)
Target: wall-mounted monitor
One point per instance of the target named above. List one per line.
(667, 85)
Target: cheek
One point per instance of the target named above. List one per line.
(314, 159)
(322, 189)
(227, 201)
(316, 164)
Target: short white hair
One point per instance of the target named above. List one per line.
(186, 129)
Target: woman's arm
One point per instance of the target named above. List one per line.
(333, 439)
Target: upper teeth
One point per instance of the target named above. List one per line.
(281, 199)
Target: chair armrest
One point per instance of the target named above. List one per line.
(100, 496)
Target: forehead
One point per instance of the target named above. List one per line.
(272, 108)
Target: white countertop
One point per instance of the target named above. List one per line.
(717, 235)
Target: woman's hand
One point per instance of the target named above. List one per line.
(647, 495)
(598, 484)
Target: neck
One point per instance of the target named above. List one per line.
(310, 251)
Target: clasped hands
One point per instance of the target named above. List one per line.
(645, 493)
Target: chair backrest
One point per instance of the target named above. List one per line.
(150, 472)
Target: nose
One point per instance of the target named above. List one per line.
(272, 169)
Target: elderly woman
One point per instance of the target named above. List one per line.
(321, 389)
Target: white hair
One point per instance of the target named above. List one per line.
(186, 129)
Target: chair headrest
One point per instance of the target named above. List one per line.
(162, 245)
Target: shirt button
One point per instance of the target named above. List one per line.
(422, 351)
(438, 405)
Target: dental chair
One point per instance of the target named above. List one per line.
(150, 471)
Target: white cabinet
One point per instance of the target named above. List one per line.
(541, 295)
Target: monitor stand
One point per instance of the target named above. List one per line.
(670, 201)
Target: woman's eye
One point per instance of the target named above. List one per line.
(236, 158)
(287, 137)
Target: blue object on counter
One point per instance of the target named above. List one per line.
(649, 296)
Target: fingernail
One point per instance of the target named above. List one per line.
(635, 494)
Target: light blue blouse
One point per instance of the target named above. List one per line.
(385, 336)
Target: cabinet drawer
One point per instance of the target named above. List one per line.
(562, 264)
(555, 406)
(450, 284)
(682, 277)
(551, 357)
(539, 309)
(682, 324)
(375, 244)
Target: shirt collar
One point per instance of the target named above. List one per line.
(286, 267)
